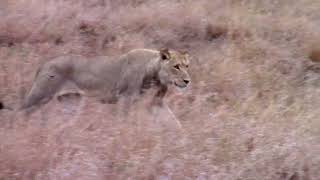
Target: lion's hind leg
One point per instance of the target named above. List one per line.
(45, 85)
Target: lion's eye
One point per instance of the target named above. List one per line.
(177, 67)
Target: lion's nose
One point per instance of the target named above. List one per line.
(186, 81)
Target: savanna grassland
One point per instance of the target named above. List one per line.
(252, 111)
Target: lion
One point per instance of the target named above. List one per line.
(127, 75)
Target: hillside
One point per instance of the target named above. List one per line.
(252, 111)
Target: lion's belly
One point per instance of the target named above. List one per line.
(89, 75)
(88, 81)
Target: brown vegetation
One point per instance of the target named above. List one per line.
(252, 111)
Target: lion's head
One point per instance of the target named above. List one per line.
(174, 68)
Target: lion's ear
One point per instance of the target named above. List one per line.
(164, 54)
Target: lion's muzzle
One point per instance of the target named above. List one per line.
(182, 83)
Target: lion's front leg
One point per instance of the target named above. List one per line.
(158, 97)
(130, 87)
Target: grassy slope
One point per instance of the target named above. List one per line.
(252, 111)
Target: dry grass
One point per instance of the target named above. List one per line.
(252, 111)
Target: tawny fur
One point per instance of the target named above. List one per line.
(127, 75)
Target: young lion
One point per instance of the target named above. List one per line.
(126, 75)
